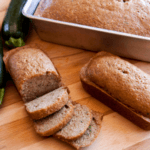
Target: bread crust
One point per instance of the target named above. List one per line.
(102, 95)
(60, 125)
(8, 54)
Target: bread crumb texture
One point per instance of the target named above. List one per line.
(47, 104)
(53, 123)
(90, 134)
(78, 124)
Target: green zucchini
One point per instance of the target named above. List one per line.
(2, 73)
(15, 26)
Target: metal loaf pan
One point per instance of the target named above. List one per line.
(88, 38)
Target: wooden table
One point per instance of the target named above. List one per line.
(16, 128)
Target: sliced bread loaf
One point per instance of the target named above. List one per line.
(32, 72)
(47, 104)
(90, 134)
(53, 123)
(78, 124)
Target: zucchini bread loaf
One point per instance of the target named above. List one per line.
(120, 85)
(32, 72)
(130, 16)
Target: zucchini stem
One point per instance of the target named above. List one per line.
(2, 91)
(15, 42)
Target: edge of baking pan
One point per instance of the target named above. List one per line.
(119, 43)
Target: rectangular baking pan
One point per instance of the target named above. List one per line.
(88, 38)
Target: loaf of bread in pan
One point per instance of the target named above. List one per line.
(130, 16)
(32, 72)
(120, 85)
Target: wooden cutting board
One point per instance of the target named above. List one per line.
(16, 128)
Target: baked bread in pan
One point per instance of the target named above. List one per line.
(129, 16)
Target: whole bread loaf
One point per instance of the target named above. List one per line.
(32, 72)
(120, 85)
(130, 16)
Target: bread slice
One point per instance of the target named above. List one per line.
(47, 104)
(32, 72)
(53, 123)
(104, 96)
(90, 134)
(77, 125)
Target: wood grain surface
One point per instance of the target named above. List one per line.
(16, 128)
